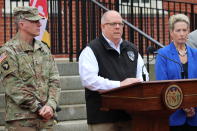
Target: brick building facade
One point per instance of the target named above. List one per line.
(151, 25)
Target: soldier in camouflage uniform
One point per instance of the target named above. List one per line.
(29, 76)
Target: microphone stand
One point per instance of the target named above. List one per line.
(152, 50)
(182, 71)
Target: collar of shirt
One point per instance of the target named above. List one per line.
(112, 44)
(24, 46)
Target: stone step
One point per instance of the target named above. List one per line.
(72, 97)
(79, 125)
(68, 68)
(2, 128)
(72, 112)
(67, 113)
(67, 97)
(152, 72)
(70, 82)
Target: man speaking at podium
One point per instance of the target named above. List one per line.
(109, 62)
(183, 66)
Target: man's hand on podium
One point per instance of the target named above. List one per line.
(129, 81)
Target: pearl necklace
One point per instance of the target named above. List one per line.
(182, 54)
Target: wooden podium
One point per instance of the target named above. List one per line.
(151, 103)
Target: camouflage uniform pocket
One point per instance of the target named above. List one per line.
(25, 75)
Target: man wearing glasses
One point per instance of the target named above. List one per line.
(106, 63)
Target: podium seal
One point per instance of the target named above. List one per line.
(173, 97)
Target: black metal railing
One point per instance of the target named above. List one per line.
(74, 23)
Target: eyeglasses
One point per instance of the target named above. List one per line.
(115, 24)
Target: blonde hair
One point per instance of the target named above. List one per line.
(178, 18)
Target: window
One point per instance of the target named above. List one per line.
(136, 1)
(11, 4)
(19, 0)
(147, 6)
(123, 1)
(145, 1)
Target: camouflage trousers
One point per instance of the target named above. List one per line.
(29, 125)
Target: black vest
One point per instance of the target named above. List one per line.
(113, 66)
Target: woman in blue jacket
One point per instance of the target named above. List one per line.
(177, 50)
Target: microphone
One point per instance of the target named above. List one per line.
(152, 50)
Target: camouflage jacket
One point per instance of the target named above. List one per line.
(30, 76)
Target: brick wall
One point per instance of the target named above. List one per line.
(1, 22)
(179, 6)
(9, 23)
(150, 23)
(192, 1)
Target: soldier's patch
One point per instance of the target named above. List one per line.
(3, 56)
(131, 55)
(5, 65)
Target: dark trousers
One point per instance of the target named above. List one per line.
(184, 127)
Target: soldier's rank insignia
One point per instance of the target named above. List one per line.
(131, 55)
(5, 65)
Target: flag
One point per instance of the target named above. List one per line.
(43, 11)
(2, 57)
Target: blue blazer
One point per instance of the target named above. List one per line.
(168, 70)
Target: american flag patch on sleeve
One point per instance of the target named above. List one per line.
(3, 57)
